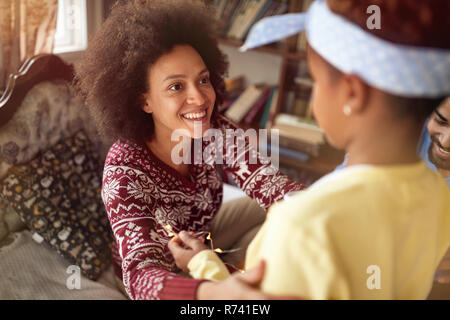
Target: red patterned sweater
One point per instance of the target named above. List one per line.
(142, 194)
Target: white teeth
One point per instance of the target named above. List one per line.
(195, 115)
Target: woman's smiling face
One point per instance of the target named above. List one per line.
(180, 93)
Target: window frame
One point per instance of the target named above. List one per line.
(94, 19)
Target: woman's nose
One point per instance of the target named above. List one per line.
(195, 96)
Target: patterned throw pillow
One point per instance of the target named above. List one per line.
(58, 196)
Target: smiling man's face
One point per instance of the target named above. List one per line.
(439, 130)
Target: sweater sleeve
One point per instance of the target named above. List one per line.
(207, 265)
(251, 172)
(148, 268)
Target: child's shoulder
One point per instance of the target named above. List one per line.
(362, 190)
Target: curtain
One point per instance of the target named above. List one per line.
(27, 28)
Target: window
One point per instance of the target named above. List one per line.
(71, 26)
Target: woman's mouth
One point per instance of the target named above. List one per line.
(195, 116)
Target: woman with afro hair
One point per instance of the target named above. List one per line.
(155, 69)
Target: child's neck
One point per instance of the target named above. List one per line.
(388, 143)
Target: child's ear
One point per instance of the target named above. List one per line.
(358, 93)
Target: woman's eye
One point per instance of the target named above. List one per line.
(204, 80)
(175, 87)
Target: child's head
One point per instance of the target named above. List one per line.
(113, 75)
(380, 81)
(338, 98)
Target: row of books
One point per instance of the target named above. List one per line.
(298, 96)
(236, 17)
(257, 102)
(299, 134)
(301, 38)
(256, 105)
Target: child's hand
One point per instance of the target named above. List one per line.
(183, 247)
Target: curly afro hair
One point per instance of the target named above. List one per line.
(112, 75)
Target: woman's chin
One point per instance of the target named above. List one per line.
(197, 129)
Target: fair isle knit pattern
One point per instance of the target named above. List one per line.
(142, 195)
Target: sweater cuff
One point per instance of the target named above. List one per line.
(207, 265)
(179, 288)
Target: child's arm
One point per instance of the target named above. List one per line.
(192, 255)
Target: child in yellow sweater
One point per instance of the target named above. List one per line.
(378, 228)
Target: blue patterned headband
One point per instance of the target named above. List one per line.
(398, 69)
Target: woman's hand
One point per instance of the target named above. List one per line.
(239, 286)
(444, 269)
(183, 247)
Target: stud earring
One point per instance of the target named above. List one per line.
(347, 110)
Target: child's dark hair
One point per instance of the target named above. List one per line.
(407, 22)
(112, 75)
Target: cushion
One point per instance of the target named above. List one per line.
(58, 196)
(50, 112)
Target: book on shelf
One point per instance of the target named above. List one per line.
(282, 8)
(289, 102)
(303, 135)
(298, 128)
(309, 113)
(301, 38)
(298, 122)
(227, 103)
(304, 81)
(239, 109)
(238, 16)
(289, 153)
(253, 14)
(237, 19)
(229, 11)
(272, 110)
(301, 107)
(258, 106)
(299, 145)
(267, 106)
(234, 86)
(299, 134)
(233, 89)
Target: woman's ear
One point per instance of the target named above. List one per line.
(146, 106)
(358, 93)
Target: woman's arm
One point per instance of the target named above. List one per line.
(260, 180)
(148, 268)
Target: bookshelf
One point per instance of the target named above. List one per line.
(292, 70)
(276, 50)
